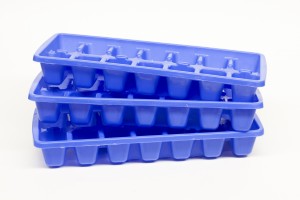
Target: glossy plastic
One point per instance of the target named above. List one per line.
(86, 57)
(122, 144)
(83, 108)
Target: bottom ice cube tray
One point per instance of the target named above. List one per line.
(121, 144)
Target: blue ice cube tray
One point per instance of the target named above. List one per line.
(147, 63)
(69, 145)
(84, 107)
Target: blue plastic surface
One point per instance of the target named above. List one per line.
(98, 143)
(86, 57)
(84, 107)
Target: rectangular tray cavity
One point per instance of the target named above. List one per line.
(100, 144)
(84, 108)
(86, 57)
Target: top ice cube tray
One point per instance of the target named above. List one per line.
(87, 56)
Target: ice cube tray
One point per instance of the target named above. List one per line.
(86, 57)
(83, 108)
(122, 144)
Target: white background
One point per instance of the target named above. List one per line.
(269, 27)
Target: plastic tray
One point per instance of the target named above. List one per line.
(133, 143)
(86, 57)
(84, 107)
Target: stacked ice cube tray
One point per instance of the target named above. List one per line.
(134, 100)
